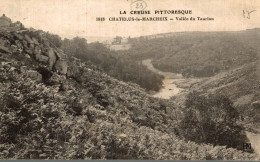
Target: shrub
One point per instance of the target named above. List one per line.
(212, 120)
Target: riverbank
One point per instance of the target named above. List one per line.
(173, 83)
(169, 87)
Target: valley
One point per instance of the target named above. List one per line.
(69, 99)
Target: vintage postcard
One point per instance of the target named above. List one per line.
(130, 79)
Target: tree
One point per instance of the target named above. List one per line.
(212, 120)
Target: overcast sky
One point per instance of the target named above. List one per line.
(69, 18)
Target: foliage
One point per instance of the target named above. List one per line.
(211, 120)
(197, 54)
(41, 122)
(117, 65)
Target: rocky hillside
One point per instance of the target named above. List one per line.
(55, 108)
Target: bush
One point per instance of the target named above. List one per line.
(211, 120)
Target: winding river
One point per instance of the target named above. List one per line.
(169, 87)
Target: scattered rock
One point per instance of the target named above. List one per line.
(4, 49)
(34, 75)
(64, 86)
(61, 67)
(18, 36)
(12, 69)
(31, 45)
(14, 48)
(27, 50)
(18, 44)
(25, 44)
(23, 69)
(256, 104)
(4, 44)
(57, 79)
(27, 56)
(35, 41)
(5, 63)
(28, 39)
(73, 69)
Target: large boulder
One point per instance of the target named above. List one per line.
(52, 57)
(61, 67)
(38, 56)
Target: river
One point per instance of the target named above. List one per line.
(169, 87)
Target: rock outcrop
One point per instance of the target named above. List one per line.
(15, 39)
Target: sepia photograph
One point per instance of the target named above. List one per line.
(130, 80)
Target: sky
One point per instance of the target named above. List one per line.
(70, 18)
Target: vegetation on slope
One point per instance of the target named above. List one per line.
(198, 54)
(115, 64)
(102, 118)
(241, 85)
